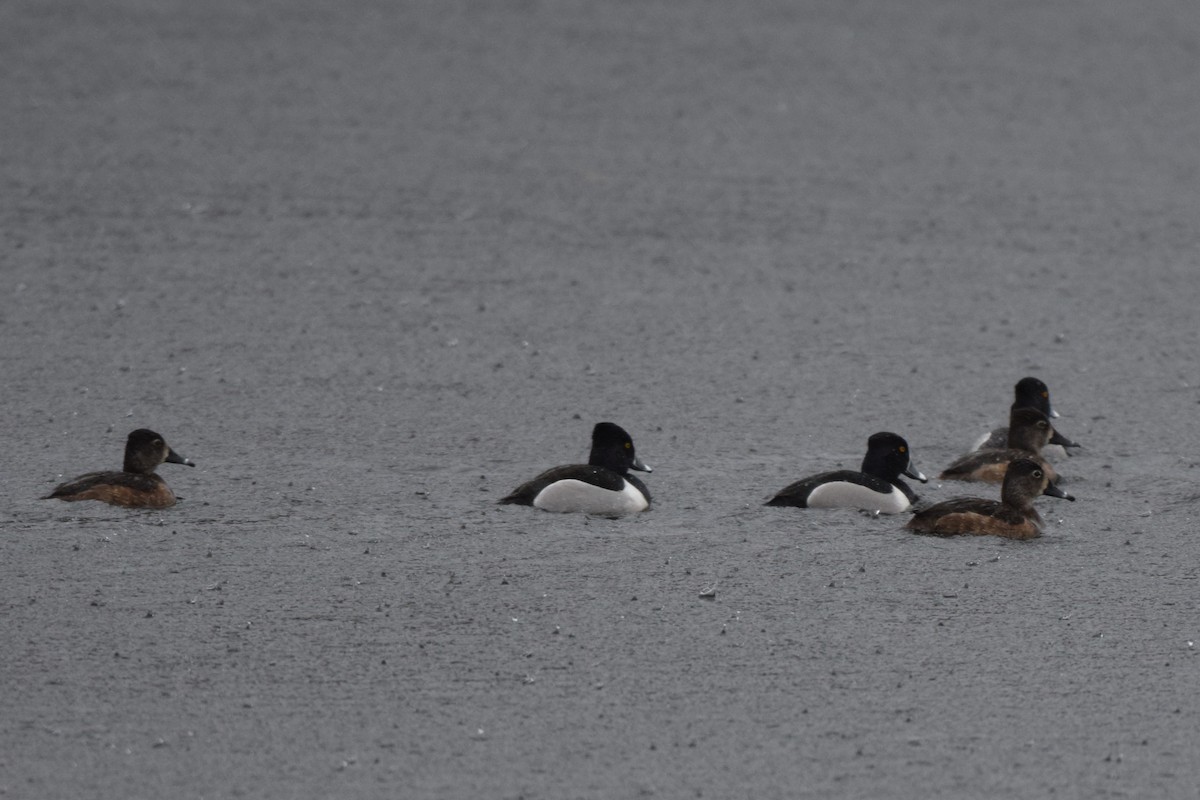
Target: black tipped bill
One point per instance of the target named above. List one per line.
(1062, 441)
(1054, 491)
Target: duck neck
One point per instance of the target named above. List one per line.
(1024, 439)
(1014, 497)
(138, 464)
(610, 458)
(874, 466)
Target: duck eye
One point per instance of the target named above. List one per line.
(1037, 473)
(1046, 395)
(902, 449)
(628, 445)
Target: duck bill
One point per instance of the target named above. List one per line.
(1054, 491)
(640, 466)
(1061, 440)
(1053, 414)
(175, 458)
(915, 474)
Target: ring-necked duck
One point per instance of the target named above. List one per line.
(1028, 433)
(136, 486)
(601, 486)
(876, 488)
(1014, 517)
(1028, 393)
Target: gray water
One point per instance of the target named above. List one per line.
(371, 267)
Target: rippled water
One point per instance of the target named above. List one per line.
(370, 271)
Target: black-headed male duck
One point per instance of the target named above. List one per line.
(601, 486)
(876, 488)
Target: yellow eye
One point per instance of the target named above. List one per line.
(903, 449)
(1046, 395)
(628, 445)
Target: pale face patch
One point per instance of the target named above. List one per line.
(577, 496)
(843, 494)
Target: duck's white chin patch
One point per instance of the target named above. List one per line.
(842, 494)
(576, 496)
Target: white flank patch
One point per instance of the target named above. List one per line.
(980, 442)
(842, 494)
(578, 496)
(1055, 451)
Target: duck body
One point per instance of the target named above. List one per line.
(602, 486)
(847, 489)
(1028, 432)
(127, 489)
(1012, 517)
(989, 466)
(877, 487)
(136, 485)
(582, 488)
